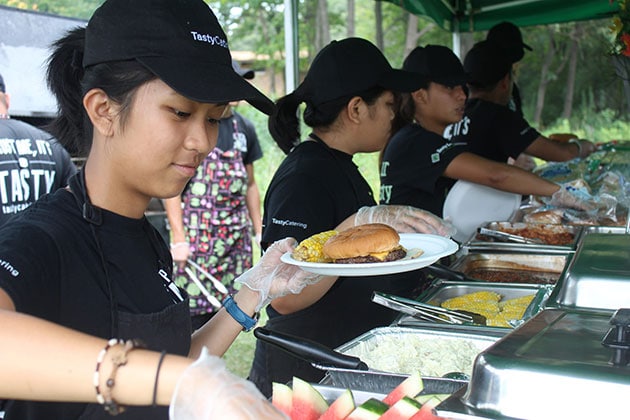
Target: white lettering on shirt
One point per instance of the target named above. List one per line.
(288, 223)
(8, 267)
(460, 128)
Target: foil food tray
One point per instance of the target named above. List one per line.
(556, 366)
(441, 290)
(481, 242)
(598, 276)
(536, 268)
(430, 351)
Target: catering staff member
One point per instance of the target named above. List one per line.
(83, 275)
(318, 188)
(419, 165)
(490, 127)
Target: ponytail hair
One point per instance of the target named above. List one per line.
(69, 82)
(284, 124)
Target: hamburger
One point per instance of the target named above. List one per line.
(368, 243)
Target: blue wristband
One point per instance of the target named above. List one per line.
(239, 316)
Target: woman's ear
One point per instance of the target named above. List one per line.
(420, 96)
(354, 109)
(101, 111)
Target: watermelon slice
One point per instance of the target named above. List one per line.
(371, 409)
(410, 387)
(282, 397)
(308, 403)
(422, 399)
(402, 410)
(427, 412)
(340, 408)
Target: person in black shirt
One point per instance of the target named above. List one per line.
(91, 321)
(490, 127)
(419, 165)
(349, 95)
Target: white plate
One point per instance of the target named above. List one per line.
(434, 247)
(470, 205)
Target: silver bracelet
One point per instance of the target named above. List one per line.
(578, 144)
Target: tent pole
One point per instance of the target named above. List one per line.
(290, 45)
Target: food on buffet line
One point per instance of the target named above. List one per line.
(403, 354)
(374, 242)
(514, 276)
(550, 234)
(406, 401)
(487, 303)
(311, 248)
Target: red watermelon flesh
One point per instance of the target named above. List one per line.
(410, 387)
(402, 410)
(308, 403)
(282, 397)
(340, 408)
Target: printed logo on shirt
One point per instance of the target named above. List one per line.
(460, 128)
(435, 157)
(288, 223)
(8, 267)
(21, 187)
(210, 39)
(240, 142)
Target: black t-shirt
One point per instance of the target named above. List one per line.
(413, 163)
(492, 131)
(237, 132)
(32, 163)
(314, 189)
(51, 268)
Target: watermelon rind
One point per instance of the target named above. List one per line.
(308, 403)
(370, 410)
(402, 410)
(282, 397)
(340, 408)
(410, 387)
(422, 399)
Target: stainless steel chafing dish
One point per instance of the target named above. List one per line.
(559, 365)
(598, 276)
(512, 267)
(570, 236)
(441, 290)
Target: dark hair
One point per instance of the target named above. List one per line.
(69, 82)
(284, 123)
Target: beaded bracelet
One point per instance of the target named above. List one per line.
(118, 360)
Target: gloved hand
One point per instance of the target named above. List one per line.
(404, 219)
(180, 252)
(574, 197)
(207, 390)
(273, 278)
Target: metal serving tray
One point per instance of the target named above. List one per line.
(553, 367)
(598, 276)
(441, 290)
(433, 352)
(481, 242)
(536, 268)
(365, 385)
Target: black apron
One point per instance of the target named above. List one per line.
(169, 329)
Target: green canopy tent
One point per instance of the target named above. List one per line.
(478, 15)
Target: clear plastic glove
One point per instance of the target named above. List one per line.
(272, 278)
(180, 252)
(574, 197)
(404, 219)
(207, 390)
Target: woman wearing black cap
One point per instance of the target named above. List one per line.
(419, 165)
(91, 322)
(318, 188)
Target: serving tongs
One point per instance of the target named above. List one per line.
(427, 312)
(504, 236)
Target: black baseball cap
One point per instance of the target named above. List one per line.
(3, 88)
(180, 41)
(486, 63)
(244, 73)
(350, 66)
(508, 36)
(436, 63)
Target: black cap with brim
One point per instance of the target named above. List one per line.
(348, 67)
(486, 63)
(508, 36)
(180, 41)
(436, 63)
